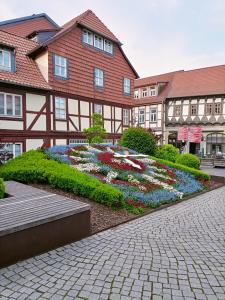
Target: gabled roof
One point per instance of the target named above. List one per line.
(166, 78)
(199, 82)
(27, 73)
(25, 25)
(90, 21)
(151, 80)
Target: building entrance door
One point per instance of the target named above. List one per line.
(194, 148)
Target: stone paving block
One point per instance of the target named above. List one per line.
(175, 253)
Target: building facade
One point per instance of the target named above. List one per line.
(192, 102)
(53, 79)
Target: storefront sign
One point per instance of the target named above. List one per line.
(191, 134)
(182, 133)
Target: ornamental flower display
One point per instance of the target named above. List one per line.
(143, 181)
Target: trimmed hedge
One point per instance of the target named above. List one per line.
(196, 173)
(188, 160)
(167, 152)
(2, 188)
(35, 166)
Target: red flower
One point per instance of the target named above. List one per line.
(136, 204)
(107, 158)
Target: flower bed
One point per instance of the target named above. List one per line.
(143, 181)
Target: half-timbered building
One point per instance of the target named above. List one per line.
(52, 79)
(150, 94)
(187, 102)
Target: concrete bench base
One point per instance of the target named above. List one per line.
(55, 222)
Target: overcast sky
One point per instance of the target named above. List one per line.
(158, 36)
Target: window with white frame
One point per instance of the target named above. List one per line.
(98, 42)
(144, 92)
(10, 105)
(60, 108)
(152, 91)
(153, 114)
(16, 148)
(141, 116)
(98, 77)
(126, 86)
(5, 59)
(98, 108)
(60, 66)
(87, 37)
(125, 117)
(108, 46)
(136, 94)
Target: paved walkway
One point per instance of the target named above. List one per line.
(175, 253)
(214, 171)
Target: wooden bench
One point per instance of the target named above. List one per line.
(33, 221)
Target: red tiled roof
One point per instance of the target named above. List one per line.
(89, 20)
(26, 25)
(199, 82)
(154, 99)
(167, 77)
(27, 72)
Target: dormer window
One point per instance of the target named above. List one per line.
(152, 91)
(87, 37)
(144, 92)
(98, 42)
(136, 94)
(7, 60)
(108, 47)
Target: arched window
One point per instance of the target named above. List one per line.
(215, 142)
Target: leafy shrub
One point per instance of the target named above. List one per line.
(197, 173)
(139, 139)
(2, 188)
(34, 166)
(167, 152)
(96, 133)
(188, 160)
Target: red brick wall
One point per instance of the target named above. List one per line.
(82, 60)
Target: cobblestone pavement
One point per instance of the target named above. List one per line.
(175, 253)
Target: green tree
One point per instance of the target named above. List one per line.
(96, 133)
(139, 139)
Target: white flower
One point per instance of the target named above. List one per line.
(111, 175)
(163, 185)
(146, 160)
(132, 163)
(133, 180)
(89, 167)
(108, 149)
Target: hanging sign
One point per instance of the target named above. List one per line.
(191, 134)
